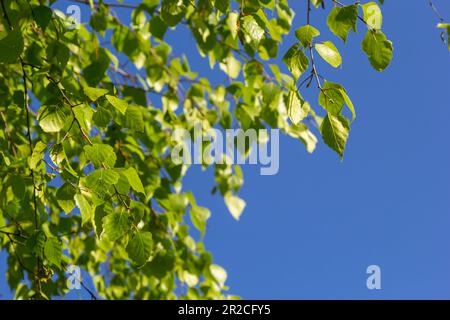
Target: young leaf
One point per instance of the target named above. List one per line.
(134, 180)
(231, 66)
(120, 104)
(329, 53)
(140, 247)
(101, 180)
(36, 242)
(330, 98)
(199, 216)
(101, 154)
(116, 224)
(378, 48)
(42, 15)
(65, 198)
(349, 103)
(52, 118)
(296, 61)
(298, 109)
(342, 20)
(172, 11)
(86, 209)
(252, 30)
(101, 211)
(94, 93)
(302, 132)
(11, 47)
(53, 251)
(235, 204)
(219, 274)
(306, 34)
(372, 15)
(83, 113)
(335, 131)
(57, 153)
(37, 155)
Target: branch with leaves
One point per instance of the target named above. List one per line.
(86, 174)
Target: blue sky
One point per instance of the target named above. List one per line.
(310, 231)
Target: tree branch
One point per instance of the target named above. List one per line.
(112, 5)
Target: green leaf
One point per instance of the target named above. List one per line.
(52, 118)
(18, 186)
(235, 204)
(122, 186)
(335, 131)
(94, 93)
(199, 216)
(252, 30)
(222, 5)
(101, 180)
(134, 180)
(36, 242)
(120, 104)
(298, 109)
(65, 197)
(99, 22)
(349, 103)
(158, 27)
(115, 225)
(306, 34)
(83, 114)
(101, 212)
(378, 48)
(172, 11)
(330, 98)
(102, 117)
(42, 15)
(372, 15)
(87, 212)
(302, 132)
(11, 46)
(342, 20)
(232, 23)
(37, 155)
(57, 153)
(101, 154)
(219, 274)
(53, 251)
(134, 119)
(296, 61)
(95, 72)
(58, 54)
(140, 247)
(329, 53)
(231, 66)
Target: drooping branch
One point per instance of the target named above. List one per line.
(109, 4)
(311, 51)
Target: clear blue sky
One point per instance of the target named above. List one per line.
(310, 231)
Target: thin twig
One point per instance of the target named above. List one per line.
(436, 11)
(311, 52)
(109, 4)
